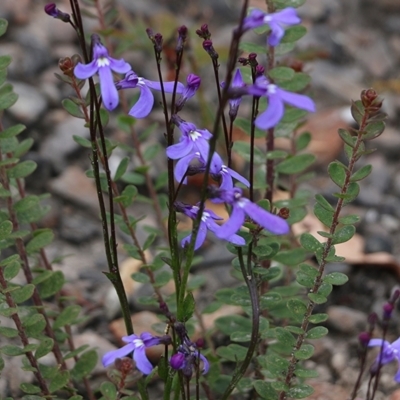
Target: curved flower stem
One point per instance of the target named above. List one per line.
(255, 307)
(254, 111)
(327, 248)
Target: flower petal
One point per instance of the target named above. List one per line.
(109, 92)
(237, 80)
(268, 221)
(180, 149)
(233, 224)
(142, 362)
(149, 340)
(287, 16)
(236, 239)
(254, 20)
(201, 235)
(182, 166)
(206, 364)
(168, 86)
(111, 356)
(296, 100)
(119, 66)
(378, 342)
(145, 103)
(239, 177)
(272, 115)
(276, 34)
(85, 71)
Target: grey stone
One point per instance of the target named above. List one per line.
(31, 103)
(346, 320)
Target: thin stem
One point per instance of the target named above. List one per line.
(24, 339)
(255, 307)
(327, 248)
(254, 111)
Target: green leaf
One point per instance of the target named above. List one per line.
(82, 141)
(344, 234)
(12, 131)
(7, 100)
(318, 318)
(294, 33)
(291, 257)
(250, 47)
(244, 124)
(140, 277)
(281, 73)
(297, 307)
(45, 347)
(349, 219)
(305, 352)
(34, 325)
(300, 391)
(128, 195)
(308, 270)
(337, 172)
(188, 307)
(23, 147)
(241, 336)
(305, 373)
(85, 365)
(285, 337)
(317, 298)
(279, 4)
(12, 270)
(347, 137)
(302, 141)
(295, 164)
(3, 76)
(11, 350)
(76, 352)
(108, 390)
(29, 388)
(72, 108)
(317, 332)
(233, 352)
(8, 332)
(361, 173)
(23, 293)
(59, 380)
(42, 238)
(373, 130)
(52, 285)
(309, 242)
(5, 61)
(293, 115)
(162, 278)
(133, 178)
(3, 26)
(324, 215)
(22, 170)
(243, 149)
(336, 278)
(357, 111)
(232, 323)
(323, 202)
(67, 316)
(6, 228)
(299, 82)
(151, 151)
(123, 165)
(304, 279)
(265, 390)
(149, 241)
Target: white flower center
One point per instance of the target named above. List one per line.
(205, 216)
(194, 135)
(103, 62)
(138, 343)
(267, 19)
(242, 202)
(271, 88)
(224, 169)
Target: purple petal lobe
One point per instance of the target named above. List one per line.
(201, 235)
(109, 92)
(85, 71)
(268, 221)
(179, 150)
(168, 86)
(276, 34)
(111, 356)
(287, 16)
(296, 100)
(149, 340)
(233, 224)
(182, 166)
(239, 177)
(142, 362)
(119, 66)
(378, 342)
(206, 364)
(144, 105)
(272, 115)
(236, 239)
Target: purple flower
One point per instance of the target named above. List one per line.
(390, 352)
(186, 357)
(208, 219)
(276, 21)
(137, 345)
(145, 103)
(52, 10)
(103, 65)
(242, 207)
(192, 85)
(237, 83)
(193, 140)
(276, 99)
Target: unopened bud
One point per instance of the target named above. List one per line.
(203, 32)
(209, 48)
(284, 213)
(182, 37)
(371, 101)
(260, 70)
(124, 365)
(52, 10)
(364, 338)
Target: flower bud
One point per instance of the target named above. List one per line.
(284, 213)
(52, 10)
(177, 361)
(203, 32)
(182, 37)
(209, 48)
(364, 338)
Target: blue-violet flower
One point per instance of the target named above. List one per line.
(103, 65)
(276, 21)
(145, 103)
(241, 207)
(389, 353)
(208, 219)
(237, 83)
(137, 345)
(276, 99)
(192, 85)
